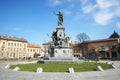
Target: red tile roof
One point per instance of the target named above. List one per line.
(47, 43)
(34, 45)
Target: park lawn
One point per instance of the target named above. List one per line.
(61, 67)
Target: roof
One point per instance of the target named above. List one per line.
(33, 45)
(114, 35)
(101, 40)
(47, 43)
(13, 38)
(75, 45)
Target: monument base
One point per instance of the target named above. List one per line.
(64, 53)
(60, 55)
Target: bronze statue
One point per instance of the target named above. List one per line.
(60, 18)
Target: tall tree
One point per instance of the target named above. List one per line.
(81, 37)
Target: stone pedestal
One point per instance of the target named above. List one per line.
(64, 53)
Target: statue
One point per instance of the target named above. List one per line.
(60, 18)
(54, 36)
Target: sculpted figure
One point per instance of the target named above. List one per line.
(60, 18)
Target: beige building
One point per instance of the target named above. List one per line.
(46, 47)
(104, 48)
(12, 47)
(15, 48)
(77, 52)
(34, 50)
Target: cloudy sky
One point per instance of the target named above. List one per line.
(35, 20)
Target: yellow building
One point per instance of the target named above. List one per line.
(104, 48)
(77, 52)
(12, 47)
(34, 50)
(15, 48)
(46, 46)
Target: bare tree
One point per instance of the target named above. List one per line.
(82, 37)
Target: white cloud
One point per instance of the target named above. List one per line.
(103, 4)
(54, 2)
(103, 11)
(88, 8)
(103, 18)
(108, 10)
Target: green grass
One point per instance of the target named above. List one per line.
(61, 67)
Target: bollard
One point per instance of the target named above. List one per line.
(71, 70)
(99, 68)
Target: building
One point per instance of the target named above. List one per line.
(77, 52)
(12, 47)
(15, 48)
(103, 48)
(46, 46)
(34, 50)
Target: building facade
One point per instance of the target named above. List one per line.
(15, 48)
(34, 50)
(12, 47)
(77, 52)
(46, 46)
(104, 48)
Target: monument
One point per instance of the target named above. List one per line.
(60, 48)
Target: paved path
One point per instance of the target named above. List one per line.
(7, 74)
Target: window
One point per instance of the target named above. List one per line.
(8, 44)
(102, 48)
(11, 49)
(20, 45)
(64, 51)
(3, 43)
(55, 51)
(8, 49)
(15, 44)
(11, 44)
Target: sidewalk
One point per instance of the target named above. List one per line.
(111, 74)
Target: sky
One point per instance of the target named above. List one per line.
(35, 20)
